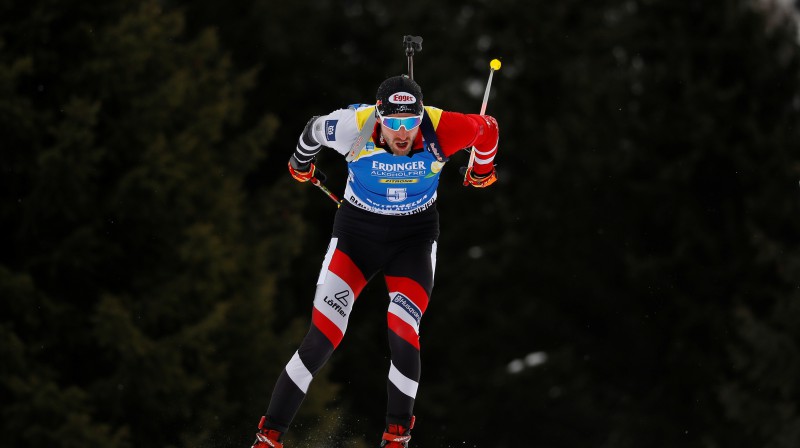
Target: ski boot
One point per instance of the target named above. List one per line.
(397, 436)
(267, 438)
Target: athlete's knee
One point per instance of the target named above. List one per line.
(408, 302)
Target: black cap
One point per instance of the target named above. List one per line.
(399, 94)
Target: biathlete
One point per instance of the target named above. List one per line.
(395, 150)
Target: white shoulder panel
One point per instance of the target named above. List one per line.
(337, 130)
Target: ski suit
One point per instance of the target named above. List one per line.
(388, 222)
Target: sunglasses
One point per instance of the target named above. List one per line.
(395, 123)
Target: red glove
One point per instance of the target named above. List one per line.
(302, 173)
(477, 181)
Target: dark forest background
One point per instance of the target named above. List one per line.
(633, 279)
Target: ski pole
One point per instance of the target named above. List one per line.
(494, 65)
(317, 183)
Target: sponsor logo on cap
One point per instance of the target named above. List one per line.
(402, 98)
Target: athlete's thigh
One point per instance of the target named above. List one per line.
(345, 271)
(416, 262)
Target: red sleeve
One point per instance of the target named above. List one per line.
(457, 131)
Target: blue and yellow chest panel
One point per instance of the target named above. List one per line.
(395, 185)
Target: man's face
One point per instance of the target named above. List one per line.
(399, 141)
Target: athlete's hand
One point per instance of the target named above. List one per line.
(478, 181)
(305, 172)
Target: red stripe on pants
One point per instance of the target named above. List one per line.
(328, 328)
(345, 269)
(402, 329)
